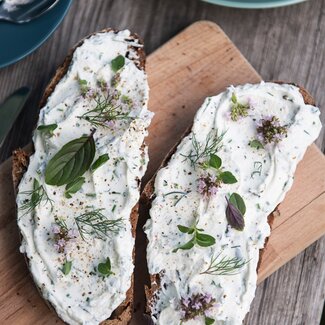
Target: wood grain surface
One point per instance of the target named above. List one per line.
(284, 44)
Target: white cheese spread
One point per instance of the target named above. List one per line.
(264, 175)
(83, 295)
(12, 5)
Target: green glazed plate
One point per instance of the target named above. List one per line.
(254, 4)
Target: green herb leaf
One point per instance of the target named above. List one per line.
(237, 201)
(234, 216)
(118, 63)
(186, 246)
(215, 161)
(234, 98)
(83, 84)
(66, 267)
(101, 160)
(72, 161)
(208, 320)
(74, 187)
(228, 178)
(204, 240)
(105, 268)
(48, 129)
(256, 144)
(184, 229)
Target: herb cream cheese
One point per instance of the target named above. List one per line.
(209, 215)
(78, 239)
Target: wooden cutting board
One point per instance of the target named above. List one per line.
(199, 62)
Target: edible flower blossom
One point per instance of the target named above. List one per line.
(269, 130)
(63, 236)
(196, 305)
(208, 185)
(238, 110)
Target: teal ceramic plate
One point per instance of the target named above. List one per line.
(17, 41)
(254, 4)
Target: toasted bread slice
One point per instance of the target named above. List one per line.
(123, 313)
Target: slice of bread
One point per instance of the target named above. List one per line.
(153, 289)
(123, 313)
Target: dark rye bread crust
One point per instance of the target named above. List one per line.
(147, 197)
(20, 160)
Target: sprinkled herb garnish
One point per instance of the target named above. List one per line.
(235, 211)
(63, 236)
(269, 130)
(84, 88)
(118, 63)
(101, 160)
(178, 195)
(208, 320)
(71, 161)
(66, 268)
(74, 187)
(225, 266)
(197, 305)
(48, 129)
(198, 238)
(109, 108)
(105, 268)
(36, 196)
(201, 151)
(238, 110)
(257, 169)
(95, 223)
(256, 144)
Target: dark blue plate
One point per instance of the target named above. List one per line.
(17, 41)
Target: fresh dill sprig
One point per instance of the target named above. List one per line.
(36, 196)
(200, 151)
(108, 108)
(226, 266)
(177, 193)
(95, 223)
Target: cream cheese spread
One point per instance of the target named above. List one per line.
(64, 265)
(263, 165)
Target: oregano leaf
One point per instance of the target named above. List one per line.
(71, 161)
(208, 320)
(215, 161)
(228, 178)
(186, 246)
(118, 63)
(256, 144)
(105, 268)
(67, 267)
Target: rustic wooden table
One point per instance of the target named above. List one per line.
(281, 44)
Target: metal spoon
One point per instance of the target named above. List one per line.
(27, 12)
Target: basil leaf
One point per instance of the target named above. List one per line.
(215, 161)
(184, 229)
(205, 240)
(101, 160)
(256, 144)
(234, 216)
(72, 161)
(228, 178)
(208, 320)
(74, 187)
(66, 267)
(47, 128)
(186, 246)
(118, 63)
(105, 268)
(237, 201)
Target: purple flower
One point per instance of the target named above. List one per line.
(55, 228)
(208, 185)
(269, 130)
(73, 233)
(207, 298)
(110, 123)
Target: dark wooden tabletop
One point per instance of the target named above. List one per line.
(282, 44)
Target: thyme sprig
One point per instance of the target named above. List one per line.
(178, 195)
(36, 196)
(201, 151)
(225, 266)
(238, 110)
(108, 108)
(95, 223)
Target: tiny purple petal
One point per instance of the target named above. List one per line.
(55, 229)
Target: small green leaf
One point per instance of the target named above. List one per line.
(74, 187)
(215, 161)
(209, 321)
(236, 200)
(234, 98)
(47, 129)
(205, 240)
(83, 84)
(71, 161)
(105, 268)
(184, 229)
(66, 267)
(228, 178)
(256, 144)
(118, 63)
(186, 246)
(101, 160)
